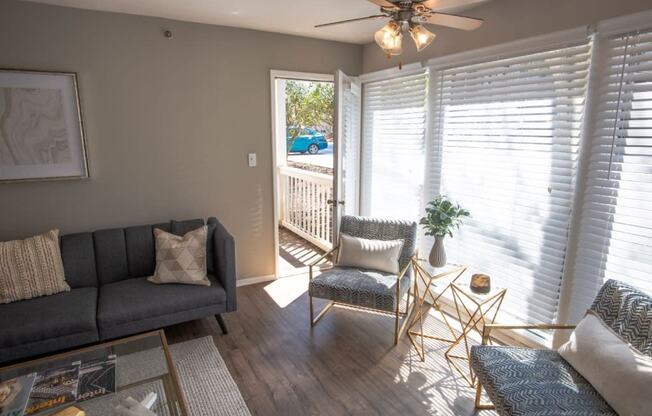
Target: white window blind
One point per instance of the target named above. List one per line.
(393, 143)
(615, 240)
(506, 141)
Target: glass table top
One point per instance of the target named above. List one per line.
(95, 379)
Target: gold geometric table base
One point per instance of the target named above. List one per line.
(481, 310)
(417, 319)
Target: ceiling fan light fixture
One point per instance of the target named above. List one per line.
(390, 38)
(422, 37)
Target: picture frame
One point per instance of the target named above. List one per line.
(41, 127)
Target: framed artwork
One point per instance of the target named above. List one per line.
(41, 129)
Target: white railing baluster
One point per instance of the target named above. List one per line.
(306, 211)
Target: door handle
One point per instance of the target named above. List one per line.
(333, 202)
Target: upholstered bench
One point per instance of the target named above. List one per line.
(523, 381)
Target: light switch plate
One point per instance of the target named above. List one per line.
(252, 160)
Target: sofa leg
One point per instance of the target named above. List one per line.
(222, 324)
(478, 397)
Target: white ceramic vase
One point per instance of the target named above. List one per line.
(437, 256)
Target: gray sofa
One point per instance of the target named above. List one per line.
(110, 296)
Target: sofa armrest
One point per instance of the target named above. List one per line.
(486, 332)
(224, 258)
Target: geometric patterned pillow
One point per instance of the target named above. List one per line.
(181, 259)
(31, 267)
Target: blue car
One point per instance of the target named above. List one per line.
(309, 140)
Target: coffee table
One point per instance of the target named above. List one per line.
(143, 365)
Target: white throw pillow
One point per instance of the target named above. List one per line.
(619, 372)
(381, 255)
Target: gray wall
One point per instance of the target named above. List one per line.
(169, 123)
(507, 20)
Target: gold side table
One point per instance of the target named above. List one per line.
(451, 272)
(474, 311)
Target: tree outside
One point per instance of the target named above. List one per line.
(309, 104)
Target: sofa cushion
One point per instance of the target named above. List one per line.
(31, 268)
(366, 288)
(48, 317)
(532, 382)
(626, 311)
(624, 375)
(78, 255)
(137, 299)
(180, 228)
(181, 259)
(111, 255)
(140, 250)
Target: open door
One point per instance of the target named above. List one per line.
(346, 186)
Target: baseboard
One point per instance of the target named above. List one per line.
(254, 280)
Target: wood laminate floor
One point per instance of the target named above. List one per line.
(346, 365)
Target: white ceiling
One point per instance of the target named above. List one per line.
(295, 17)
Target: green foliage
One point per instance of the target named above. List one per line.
(307, 104)
(443, 216)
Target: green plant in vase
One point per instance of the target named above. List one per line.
(442, 217)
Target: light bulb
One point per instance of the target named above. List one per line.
(422, 37)
(390, 38)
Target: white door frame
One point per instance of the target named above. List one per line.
(274, 75)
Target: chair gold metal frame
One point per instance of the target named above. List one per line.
(399, 327)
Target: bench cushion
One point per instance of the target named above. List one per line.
(532, 382)
(48, 323)
(136, 305)
(359, 287)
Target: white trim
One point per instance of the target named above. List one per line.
(254, 280)
(273, 76)
(625, 24)
(389, 73)
(507, 50)
(307, 76)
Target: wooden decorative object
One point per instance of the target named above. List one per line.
(71, 411)
(480, 283)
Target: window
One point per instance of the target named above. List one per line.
(506, 139)
(514, 141)
(615, 236)
(393, 145)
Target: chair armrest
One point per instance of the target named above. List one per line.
(316, 262)
(402, 273)
(488, 327)
(224, 257)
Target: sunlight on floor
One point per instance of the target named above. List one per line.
(439, 386)
(286, 290)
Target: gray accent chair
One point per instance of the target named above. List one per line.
(534, 382)
(367, 289)
(110, 296)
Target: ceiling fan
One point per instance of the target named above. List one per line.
(413, 14)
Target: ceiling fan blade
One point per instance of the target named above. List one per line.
(382, 3)
(448, 4)
(454, 21)
(376, 16)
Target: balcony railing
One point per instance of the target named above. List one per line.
(304, 208)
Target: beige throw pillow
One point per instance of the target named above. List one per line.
(181, 259)
(619, 372)
(32, 267)
(381, 255)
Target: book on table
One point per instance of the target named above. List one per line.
(14, 394)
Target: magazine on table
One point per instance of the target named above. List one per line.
(14, 394)
(44, 391)
(53, 388)
(96, 378)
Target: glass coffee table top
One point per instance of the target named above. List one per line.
(95, 379)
